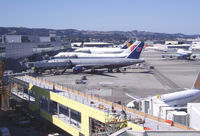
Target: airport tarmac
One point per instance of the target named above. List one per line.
(169, 75)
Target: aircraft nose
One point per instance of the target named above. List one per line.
(130, 105)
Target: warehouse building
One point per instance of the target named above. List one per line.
(19, 46)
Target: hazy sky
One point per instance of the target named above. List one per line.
(169, 16)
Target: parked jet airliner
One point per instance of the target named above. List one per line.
(180, 98)
(81, 64)
(182, 54)
(96, 50)
(124, 54)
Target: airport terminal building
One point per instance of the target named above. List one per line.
(19, 46)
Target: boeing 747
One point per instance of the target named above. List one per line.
(81, 64)
(96, 50)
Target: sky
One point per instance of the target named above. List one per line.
(168, 16)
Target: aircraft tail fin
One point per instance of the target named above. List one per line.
(131, 47)
(127, 44)
(190, 48)
(135, 54)
(197, 82)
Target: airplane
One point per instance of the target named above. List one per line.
(81, 64)
(182, 54)
(96, 50)
(157, 47)
(87, 55)
(196, 45)
(53, 64)
(175, 99)
(126, 44)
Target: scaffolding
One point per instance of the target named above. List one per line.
(114, 121)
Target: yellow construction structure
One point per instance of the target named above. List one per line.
(78, 113)
(87, 112)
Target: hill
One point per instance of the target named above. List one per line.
(83, 35)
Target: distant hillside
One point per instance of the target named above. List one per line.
(77, 35)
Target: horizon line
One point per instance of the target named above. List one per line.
(94, 30)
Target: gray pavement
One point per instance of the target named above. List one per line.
(170, 75)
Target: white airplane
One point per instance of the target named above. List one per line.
(87, 55)
(196, 45)
(81, 64)
(96, 50)
(157, 47)
(68, 54)
(175, 99)
(124, 54)
(182, 54)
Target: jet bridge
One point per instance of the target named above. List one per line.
(41, 66)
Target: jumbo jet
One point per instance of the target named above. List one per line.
(96, 50)
(85, 51)
(124, 54)
(175, 99)
(81, 64)
(157, 47)
(182, 54)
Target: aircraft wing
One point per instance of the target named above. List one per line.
(192, 56)
(133, 97)
(170, 55)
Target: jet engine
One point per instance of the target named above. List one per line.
(77, 69)
(193, 56)
(83, 50)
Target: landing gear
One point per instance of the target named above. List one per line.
(94, 71)
(38, 71)
(118, 70)
(110, 70)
